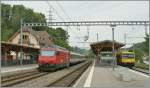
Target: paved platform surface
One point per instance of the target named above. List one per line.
(13, 70)
(18, 68)
(97, 76)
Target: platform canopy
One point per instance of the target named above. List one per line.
(105, 45)
(17, 47)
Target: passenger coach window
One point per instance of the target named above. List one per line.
(47, 53)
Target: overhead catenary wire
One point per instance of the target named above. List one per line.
(58, 14)
(64, 13)
(61, 7)
(55, 11)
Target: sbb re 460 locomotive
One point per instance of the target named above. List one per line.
(51, 58)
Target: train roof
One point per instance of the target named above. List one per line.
(58, 47)
(126, 52)
(73, 53)
(55, 49)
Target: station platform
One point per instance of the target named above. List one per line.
(97, 76)
(17, 69)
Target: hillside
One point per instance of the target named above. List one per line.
(141, 49)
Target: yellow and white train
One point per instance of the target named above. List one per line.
(126, 58)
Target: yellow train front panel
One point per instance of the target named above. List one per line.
(124, 60)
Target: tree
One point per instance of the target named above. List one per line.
(146, 45)
(141, 49)
(11, 17)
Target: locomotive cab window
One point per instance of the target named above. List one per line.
(128, 56)
(48, 53)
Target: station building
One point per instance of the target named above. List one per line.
(32, 38)
(32, 42)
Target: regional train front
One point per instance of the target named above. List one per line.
(126, 58)
(47, 59)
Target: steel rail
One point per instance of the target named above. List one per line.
(6, 79)
(18, 80)
(69, 79)
(140, 70)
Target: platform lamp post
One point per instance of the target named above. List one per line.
(125, 39)
(113, 46)
(149, 50)
(98, 57)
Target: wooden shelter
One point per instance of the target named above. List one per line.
(105, 45)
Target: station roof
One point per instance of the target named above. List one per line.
(17, 47)
(105, 45)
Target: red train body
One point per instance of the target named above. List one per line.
(53, 58)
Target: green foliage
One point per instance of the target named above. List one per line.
(146, 45)
(11, 16)
(90, 54)
(10, 21)
(78, 50)
(60, 36)
(138, 55)
(141, 49)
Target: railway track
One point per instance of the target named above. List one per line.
(5, 82)
(15, 79)
(140, 70)
(11, 76)
(69, 79)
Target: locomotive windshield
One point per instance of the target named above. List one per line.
(47, 53)
(128, 56)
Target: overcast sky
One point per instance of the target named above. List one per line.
(95, 10)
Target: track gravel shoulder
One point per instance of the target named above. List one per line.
(49, 78)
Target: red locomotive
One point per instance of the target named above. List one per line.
(53, 58)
